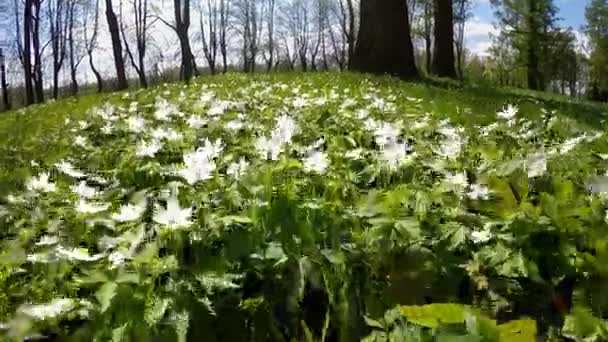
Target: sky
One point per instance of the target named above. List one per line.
(571, 14)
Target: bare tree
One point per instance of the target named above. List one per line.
(6, 104)
(247, 14)
(223, 34)
(38, 49)
(348, 25)
(25, 49)
(119, 63)
(76, 53)
(268, 53)
(58, 24)
(462, 13)
(91, 43)
(140, 18)
(181, 27)
(209, 22)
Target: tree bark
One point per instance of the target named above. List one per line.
(443, 52)
(6, 104)
(38, 81)
(27, 52)
(182, 24)
(385, 45)
(119, 63)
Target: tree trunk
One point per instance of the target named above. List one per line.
(38, 81)
(182, 24)
(119, 63)
(384, 45)
(443, 52)
(27, 53)
(6, 104)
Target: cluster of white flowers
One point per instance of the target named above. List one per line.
(452, 143)
(508, 113)
(148, 149)
(270, 148)
(41, 183)
(316, 162)
(173, 216)
(536, 164)
(164, 109)
(52, 309)
(200, 165)
(131, 212)
(237, 169)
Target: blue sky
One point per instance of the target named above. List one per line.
(572, 12)
(478, 29)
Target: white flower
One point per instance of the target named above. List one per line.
(173, 216)
(83, 190)
(570, 144)
(508, 113)
(52, 309)
(362, 114)
(386, 133)
(457, 179)
(536, 164)
(285, 129)
(145, 149)
(199, 165)
(167, 133)
(317, 162)
(320, 101)
(80, 141)
(206, 98)
(47, 240)
(370, 124)
(164, 109)
(41, 183)
(40, 258)
(130, 212)
(451, 144)
(116, 258)
(394, 154)
(195, 121)
(235, 125)
(218, 108)
(91, 208)
(478, 191)
(236, 170)
(136, 124)
(348, 103)
(68, 169)
(268, 148)
(354, 154)
(299, 102)
(481, 236)
(77, 254)
(107, 129)
(83, 124)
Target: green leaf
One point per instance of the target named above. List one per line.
(155, 310)
(181, 322)
(118, 334)
(523, 330)
(373, 323)
(232, 219)
(581, 325)
(105, 294)
(432, 315)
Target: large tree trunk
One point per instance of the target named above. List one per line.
(6, 104)
(182, 24)
(443, 53)
(119, 63)
(27, 52)
(384, 45)
(38, 81)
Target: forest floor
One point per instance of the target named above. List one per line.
(297, 180)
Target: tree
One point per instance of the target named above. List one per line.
(443, 52)
(596, 14)
(38, 50)
(25, 51)
(6, 104)
(140, 19)
(181, 10)
(462, 12)
(384, 44)
(527, 25)
(209, 22)
(76, 54)
(58, 25)
(268, 53)
(91, 43)
(422, 26)
(119, 62)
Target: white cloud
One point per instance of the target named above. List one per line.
(478, 35)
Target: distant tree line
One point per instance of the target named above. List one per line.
(405, 38)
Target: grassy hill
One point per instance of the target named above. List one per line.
(305, 206)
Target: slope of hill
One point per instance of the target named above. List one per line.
(279, 207)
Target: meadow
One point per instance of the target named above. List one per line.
(305, 207)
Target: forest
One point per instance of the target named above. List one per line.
(307, 171)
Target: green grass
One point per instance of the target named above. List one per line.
(39, 132)
(338, 226)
